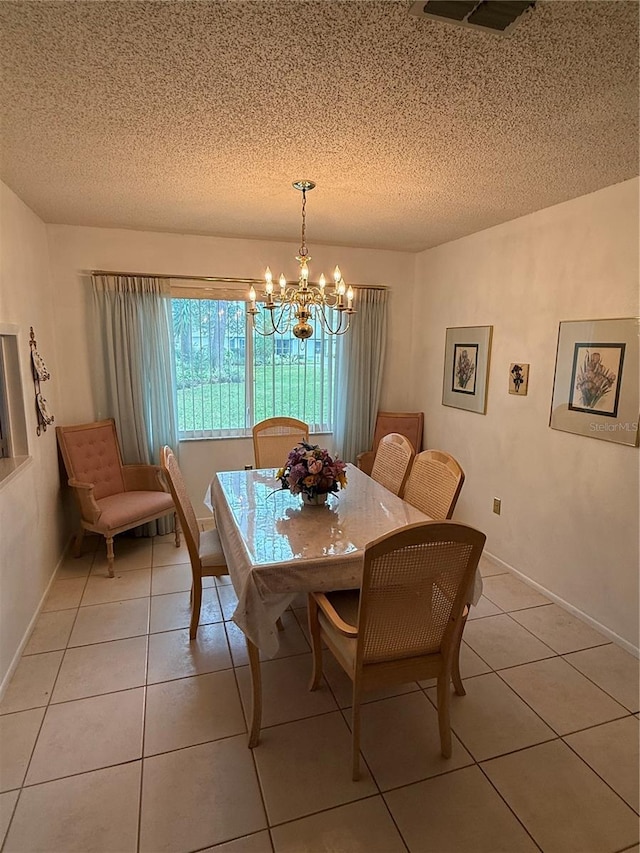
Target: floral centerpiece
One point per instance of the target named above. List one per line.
(311, 472)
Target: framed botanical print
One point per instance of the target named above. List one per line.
(595, 390)
(466, 367)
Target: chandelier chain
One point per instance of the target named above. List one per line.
(303, 245)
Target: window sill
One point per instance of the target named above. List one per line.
(189, 438)
(10, 468)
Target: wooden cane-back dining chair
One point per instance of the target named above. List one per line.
(403, 624)
(274, 438)
(434, 484)
(112, 497)
(408, 424)
(205, 551)
(393, 461)
(433, 487)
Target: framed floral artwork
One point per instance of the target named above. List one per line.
(595, 389)
(467, 351)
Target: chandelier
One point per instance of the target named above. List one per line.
(294, 305)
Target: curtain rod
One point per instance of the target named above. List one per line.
(214, 278)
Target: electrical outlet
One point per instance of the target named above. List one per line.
(497, 505)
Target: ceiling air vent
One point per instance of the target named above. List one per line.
(496, 16)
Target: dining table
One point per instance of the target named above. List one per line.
(276, 547)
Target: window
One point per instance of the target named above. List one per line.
(229, 377)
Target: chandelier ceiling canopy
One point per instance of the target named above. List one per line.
(294, 306)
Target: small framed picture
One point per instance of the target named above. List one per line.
(466, 367)
(518, 378)
(595, 389)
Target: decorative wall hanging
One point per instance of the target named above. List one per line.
(595, 389)
(40, 374)
(518, 378)
(466, 367)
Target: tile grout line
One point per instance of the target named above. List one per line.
(343, 712)
(144, 719)
(46, 708)
(245, 715)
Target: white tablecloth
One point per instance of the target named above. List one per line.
(276, 548)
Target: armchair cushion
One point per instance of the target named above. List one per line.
(127, 509)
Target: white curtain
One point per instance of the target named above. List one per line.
(361, 354)
(133, 316)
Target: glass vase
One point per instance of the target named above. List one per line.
(314, 500)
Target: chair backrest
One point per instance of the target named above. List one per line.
(392, 462)
(434, 484)
(184, 507)
(274, 438)
(91, 454)
(409, 424)
(415, 585)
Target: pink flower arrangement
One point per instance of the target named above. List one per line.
(312, 471)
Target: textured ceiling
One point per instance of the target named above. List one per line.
(197, 116)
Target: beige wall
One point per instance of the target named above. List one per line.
(74, 251)
(31, 527)
(569, 517)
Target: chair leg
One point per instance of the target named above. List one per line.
(455, 667)
(176, 528)
(444, 724)
(110, 555)
(196, 603)
(77, 543)
(355, 734)
(316, 643)
(256, 693)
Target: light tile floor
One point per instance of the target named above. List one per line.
(117, 734)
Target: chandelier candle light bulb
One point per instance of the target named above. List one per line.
(295, 305)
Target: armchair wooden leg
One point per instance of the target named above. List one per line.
(455, 667)
(77, 543)
(110, 555)
(444, 696)
(176, 528)
(256, 693)
(196, 604)
(316, 643)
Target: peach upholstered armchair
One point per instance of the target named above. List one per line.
(111, 497)
(409, 424)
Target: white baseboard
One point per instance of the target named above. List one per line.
(27, 634)
(615, 638)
